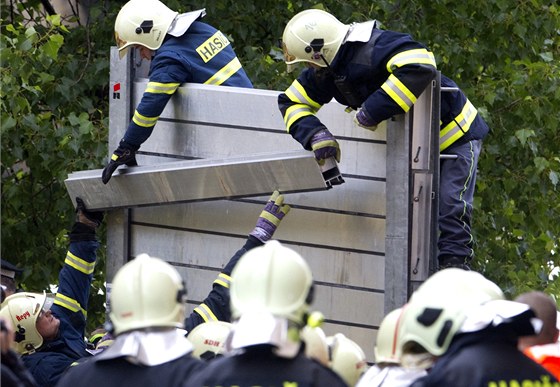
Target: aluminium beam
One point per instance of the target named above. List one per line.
(198, 180)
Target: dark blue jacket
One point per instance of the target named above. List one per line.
(70, 306)
(260, 366)
(488, 358)
(385, 76)
(201, 55)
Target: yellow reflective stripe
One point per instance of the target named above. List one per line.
(144, 121)
(205, 312)
(295, 112)
(79, 264)
(96, 336)
(296, 93)
(161, 88)
(419, 55)
(458, 127)
(399, 93)
(303, 104)
(223, 280)
(69, 303)
(224, 73)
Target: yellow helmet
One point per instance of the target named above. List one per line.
(347, 358)
(209, 339)
(313, 36)
(143, 22)
(316, 346)
(147, 292)
(274, 279)
(23, 309)
(387, 347)
(438, 308)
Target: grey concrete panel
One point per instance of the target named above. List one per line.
(192, 180)
(357, 157)
(196, 103)
(336, 301)
(398, 202)
(212, 250)
(420, 253)
(421, 149)
(302, 226)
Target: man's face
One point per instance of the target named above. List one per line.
(47, 325)
(145, 52)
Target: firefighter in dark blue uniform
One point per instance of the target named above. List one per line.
(270, 297)
(460, 327)
(380, 74)
(50, 333)
(148, 302)
(186, 50)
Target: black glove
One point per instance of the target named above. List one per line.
(124, 154)
(86, 223)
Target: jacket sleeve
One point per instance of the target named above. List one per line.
(299, 105)
(166, 75)
(409, 73)
(215, 306)
(74, 282)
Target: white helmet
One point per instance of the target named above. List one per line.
(438, 308)
(209, 339)
(313, 36)
(23, 309)
(143, 22)
(387, 347)
(274, 279)
(147, 292)
(347, 359)
(316, 346)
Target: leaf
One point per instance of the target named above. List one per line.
(547, 56)
(52, 46)
(524, 134)
(553, 176)
(541, 163)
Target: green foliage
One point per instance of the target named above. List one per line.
(54, 119)
(504, 54)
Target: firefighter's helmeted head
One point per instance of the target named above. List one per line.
(272, 278)
(147, 293)
(209, 339)
(313, 36)
(22, 310)
(438, 308)
(347, 358)
(271, 291)
(387, 347)
(142, 22)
